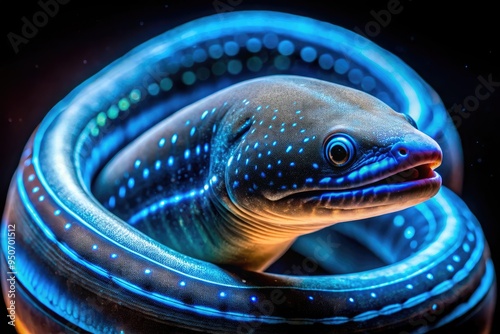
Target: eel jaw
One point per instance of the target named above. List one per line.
(413, 179)
(394, 191)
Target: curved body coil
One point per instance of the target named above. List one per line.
(81, 268)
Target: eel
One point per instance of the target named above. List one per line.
(258, 164)
(247, 172)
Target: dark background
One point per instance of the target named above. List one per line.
(450, 46)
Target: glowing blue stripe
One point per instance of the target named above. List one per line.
(479, 294)
(162, 203)
(424, 209)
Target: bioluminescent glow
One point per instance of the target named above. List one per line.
(160, 194)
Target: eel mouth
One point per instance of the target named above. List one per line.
(410, 176)
(411, 185)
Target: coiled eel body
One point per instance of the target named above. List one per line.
(110, 231)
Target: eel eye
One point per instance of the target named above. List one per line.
(340, 150)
